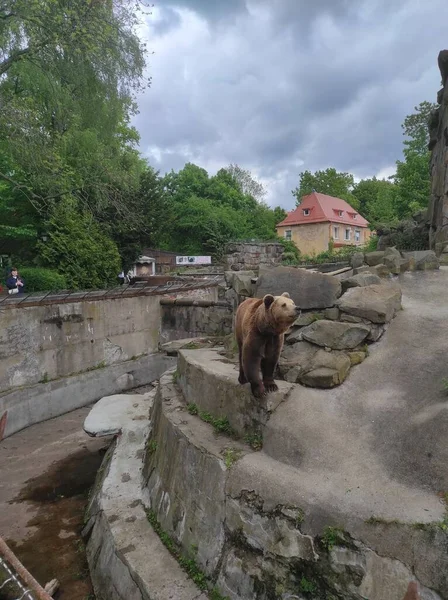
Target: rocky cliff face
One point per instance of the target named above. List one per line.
(438, 144)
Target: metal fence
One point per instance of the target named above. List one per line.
(123, 291)
(16, 583)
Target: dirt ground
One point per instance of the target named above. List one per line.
(46, 472)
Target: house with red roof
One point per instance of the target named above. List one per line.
(320, 218)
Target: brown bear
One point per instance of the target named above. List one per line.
(260, 327)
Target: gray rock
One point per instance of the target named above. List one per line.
(242, 283)
(393, 260)
(376, 331)
(361, 280)
(363, 269)
(374, 258)
(424, 259)
(328, 370)
(336, 335)
(305, 363)
(357, 260)
(295, 335)
(381, 270)
(331, 313)
(376, 303)
(308, 290)
(357, 357)
(350, 319)
(306, 319)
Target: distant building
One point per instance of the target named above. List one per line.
(320, 218)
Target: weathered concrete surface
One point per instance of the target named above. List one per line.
(252, 522)
(46, 342)
(45, 472)
(112, 414)
(29, 405)
(210, 381)
(382, 435)
(127, 560)
(186, 475)
(179, 321)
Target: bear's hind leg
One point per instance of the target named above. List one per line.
(242, 377)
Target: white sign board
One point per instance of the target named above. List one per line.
(193, 260)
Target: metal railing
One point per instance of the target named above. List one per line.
(18, 580)
(122, 291)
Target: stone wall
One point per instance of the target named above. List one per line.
(438, 144)
(186, 318)
(241, 256)
(48, 340)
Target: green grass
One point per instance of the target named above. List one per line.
(331, 537)
(255, 440)
(188, 564)
(231, 455)
(152, 446)
(307, 586)
(219, 424)
(176, 376)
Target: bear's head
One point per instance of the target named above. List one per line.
(281, 312)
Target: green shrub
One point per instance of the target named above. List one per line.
(42, 280)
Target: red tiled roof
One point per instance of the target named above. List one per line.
(322, 209)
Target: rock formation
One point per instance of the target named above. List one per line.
(438, 144)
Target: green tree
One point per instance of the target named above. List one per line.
(413, 179)
(330, 182)
(377, 200)
(77, 248)
(279, 214)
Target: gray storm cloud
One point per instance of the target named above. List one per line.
(279, 87)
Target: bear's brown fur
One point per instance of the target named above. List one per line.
(260, 327)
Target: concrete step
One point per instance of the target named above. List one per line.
(236, 515)
(209, 380)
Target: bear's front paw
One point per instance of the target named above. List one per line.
(270, 386)
(258, 390)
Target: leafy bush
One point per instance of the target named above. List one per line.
(42, 280)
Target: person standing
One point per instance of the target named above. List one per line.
(15, 283)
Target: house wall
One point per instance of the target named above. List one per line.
(310, 238)
(314, 238)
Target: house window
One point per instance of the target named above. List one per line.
(357, 235)
(347, 234)
(306, 212)
(336, 233)
(355, 215)
(288, 235)
(340, 213)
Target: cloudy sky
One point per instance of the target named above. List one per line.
(280, 86)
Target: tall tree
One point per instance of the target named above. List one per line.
(246, 183)
(377, 200)
(413, 178)
(330, 182)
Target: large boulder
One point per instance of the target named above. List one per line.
(361, 280)
(328, 370)
(376, 303)
(357, 260)
(392, 260)
(308, 290)
(306, 363)
(336, 335)
(424, 259)
(240, 281)
(374, 258)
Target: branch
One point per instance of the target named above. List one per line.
(15, 56)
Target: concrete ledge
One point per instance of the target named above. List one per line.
(30, 405)
(210, 381)
(126, 558)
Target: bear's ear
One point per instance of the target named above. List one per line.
(268, 300)
(286, 295)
